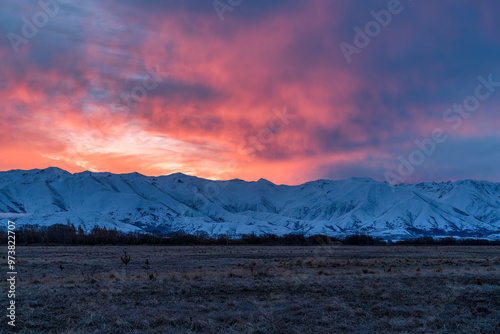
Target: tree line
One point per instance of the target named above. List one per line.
(60, 234)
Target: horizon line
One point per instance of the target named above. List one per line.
(249, 181)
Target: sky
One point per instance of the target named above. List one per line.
(286, 90)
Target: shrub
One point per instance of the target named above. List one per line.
(125, 258)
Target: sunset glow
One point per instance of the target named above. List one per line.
(265, 93)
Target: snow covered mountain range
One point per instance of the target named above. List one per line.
(179, 202)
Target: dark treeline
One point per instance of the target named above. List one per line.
(59, 234)
(447, 241)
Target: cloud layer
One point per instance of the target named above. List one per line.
(161, 87)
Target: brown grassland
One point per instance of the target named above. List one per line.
(256, 289)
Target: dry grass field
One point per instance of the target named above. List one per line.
(257, 289)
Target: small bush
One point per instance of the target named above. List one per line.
(125, 258)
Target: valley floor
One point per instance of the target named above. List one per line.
(252, 289)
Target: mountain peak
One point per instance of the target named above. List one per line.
(53, 171)
(362, 179)
(262, 180)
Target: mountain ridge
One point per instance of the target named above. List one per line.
(179, 202)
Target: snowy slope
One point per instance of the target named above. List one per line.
(179, 202)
